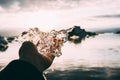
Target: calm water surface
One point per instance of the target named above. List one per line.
(96, 58)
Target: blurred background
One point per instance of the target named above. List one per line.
(95, 58)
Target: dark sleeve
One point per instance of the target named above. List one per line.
(20, 70)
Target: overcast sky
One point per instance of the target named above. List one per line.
(50, 13)
(56, 4)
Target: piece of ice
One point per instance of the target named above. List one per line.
(46, 42)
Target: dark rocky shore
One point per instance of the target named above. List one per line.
(78, 34)
(4, 42)
(118, 32)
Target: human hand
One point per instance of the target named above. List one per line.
(28, 52)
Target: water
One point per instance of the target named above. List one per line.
(95, 73)
(96, 58)
(100, 51)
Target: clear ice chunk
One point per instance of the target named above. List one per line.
(46, 42)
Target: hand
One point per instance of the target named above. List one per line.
(28, 52)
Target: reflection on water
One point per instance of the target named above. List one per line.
(95, 73)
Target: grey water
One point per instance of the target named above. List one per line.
(96, 58)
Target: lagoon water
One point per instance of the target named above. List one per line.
(95, 58)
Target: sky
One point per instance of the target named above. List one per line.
(50, 14)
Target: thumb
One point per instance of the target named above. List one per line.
(27, 48)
